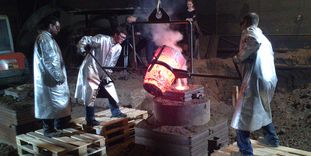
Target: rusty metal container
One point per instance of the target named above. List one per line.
(159, 77)
(179, 113)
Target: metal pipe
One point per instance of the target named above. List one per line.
(236, 35)
(191, 46)
(163, 22)
(214, 76)
(295, 67)
(184, 74)
(134, 45)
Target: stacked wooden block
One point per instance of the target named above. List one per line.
(16, 117)
(115, 130)
(182, 140)
(261, 150)
(72, 142)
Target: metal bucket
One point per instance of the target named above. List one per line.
(159, 76)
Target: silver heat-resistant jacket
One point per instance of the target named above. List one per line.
(259, 81)
(51, 100)
(106, 52)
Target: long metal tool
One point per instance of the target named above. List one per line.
(237, 70)
(104, 68)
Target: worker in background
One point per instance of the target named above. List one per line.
(51, 91)
(191, 15)
(146, 40)
(253, 110)
(93, 81)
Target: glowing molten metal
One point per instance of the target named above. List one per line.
(159, 76)
(181, 84)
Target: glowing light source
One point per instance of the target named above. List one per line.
(159, 76)
(181, 85)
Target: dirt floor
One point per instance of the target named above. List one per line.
(291, 106)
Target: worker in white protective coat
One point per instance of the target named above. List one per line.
(253, 110)
(51, 91)
(93, 81)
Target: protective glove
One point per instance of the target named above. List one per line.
(61, 81)
(235, 59)
(86, 50)
(106, 80)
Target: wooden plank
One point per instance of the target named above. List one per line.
(70, 130)
(72, 141)
(82, 138)
(130, 112)
(263, 150)
(115, 122)
(100, 150)
(52, 141)
(220, 153)
(114, 130)
(96, 137)
(285, 149)
(39, 143)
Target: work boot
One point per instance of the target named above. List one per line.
(54, 133)
(264, 141)
(92, 123)
(119, 115)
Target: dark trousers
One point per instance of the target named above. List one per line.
(49, 125)
(244, 143)
(102, 93)
(150, 49)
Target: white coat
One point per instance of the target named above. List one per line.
(51, 99)
(106, 52)
(259, 81)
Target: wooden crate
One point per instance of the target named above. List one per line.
(115, 130)
(262, 150)
(72, 142)
(132, 114)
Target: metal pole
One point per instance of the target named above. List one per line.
(191, 46)
(134, 45)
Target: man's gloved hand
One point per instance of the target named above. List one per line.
(106, 80)
(86, 50)
(60, 81)
(87, 47)
(235, 59)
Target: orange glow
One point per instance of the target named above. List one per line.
(180, 86)
(160, 78)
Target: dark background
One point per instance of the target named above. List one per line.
(286, 23)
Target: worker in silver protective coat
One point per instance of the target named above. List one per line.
(51, 92)
(92, 80)
(253, 110)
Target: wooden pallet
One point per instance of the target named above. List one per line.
(262, 150)
(132, 114)
(115, 130)
(72, 142)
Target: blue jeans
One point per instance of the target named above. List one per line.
(102, 93)
(244, 143)
(90, 111)
(270, 135)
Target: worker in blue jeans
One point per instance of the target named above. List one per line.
(100, 51)
(252, 110)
